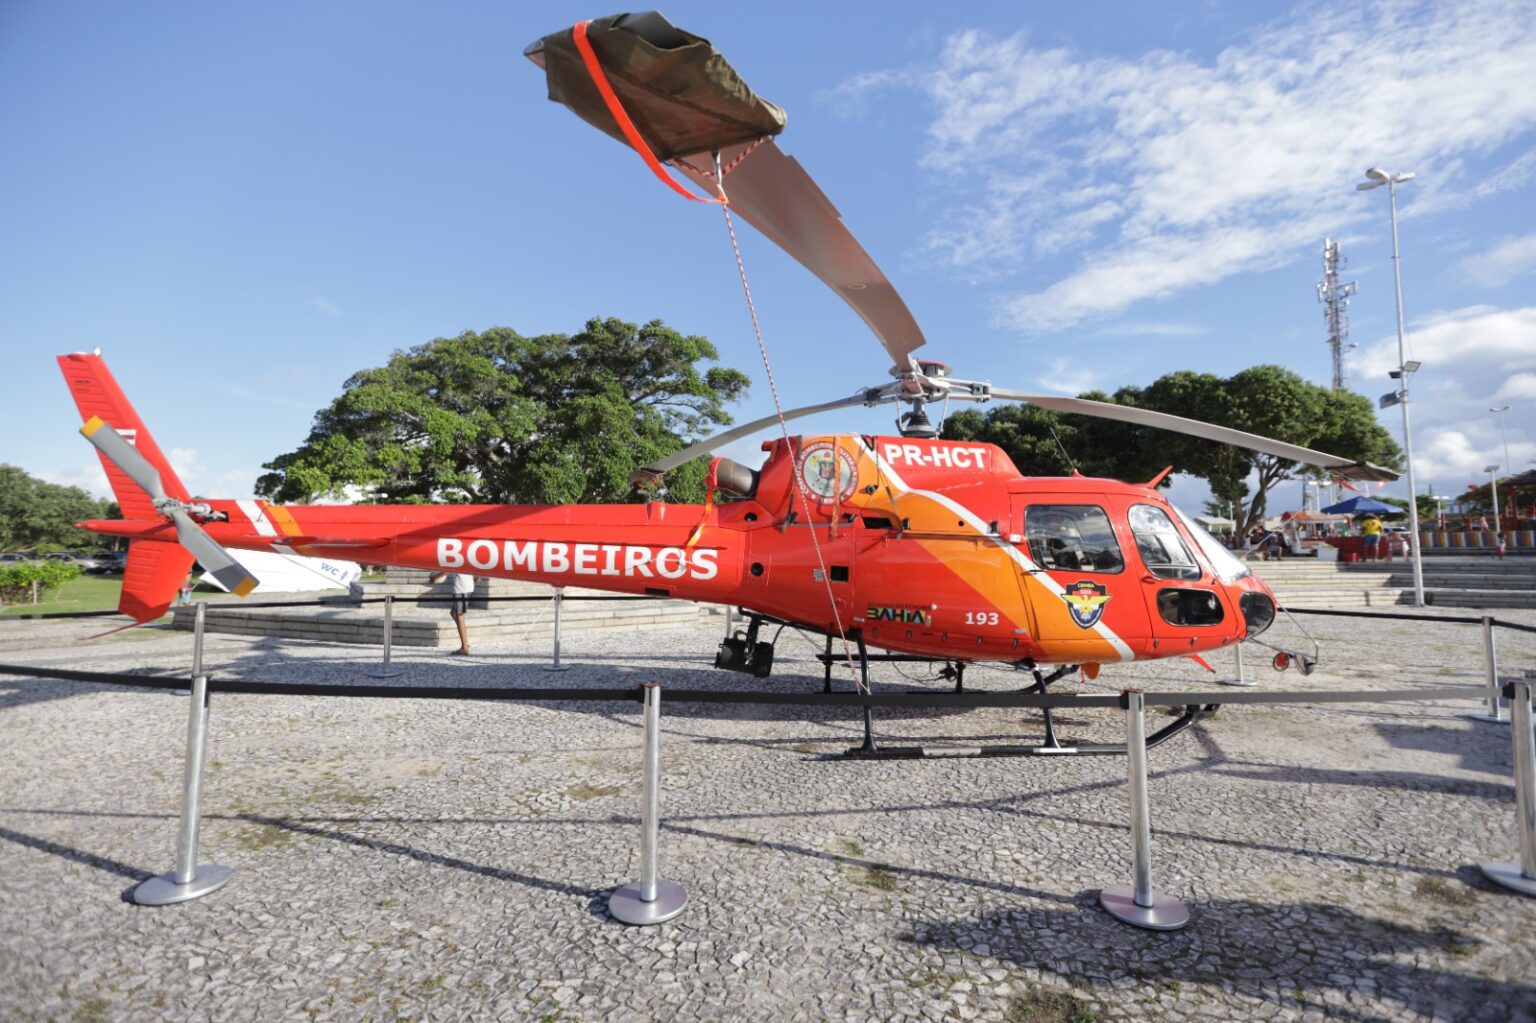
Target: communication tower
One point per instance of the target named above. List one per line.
(1335, 298)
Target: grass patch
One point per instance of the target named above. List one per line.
(264, 836)
(1438, 889)
(1037, 1005)
(585, 791)
(851, 846)
(87, 593)
(91, 1010)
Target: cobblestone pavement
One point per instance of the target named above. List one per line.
(425, 860)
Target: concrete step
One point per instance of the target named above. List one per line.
(527, 623)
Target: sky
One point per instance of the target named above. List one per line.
(243, 205)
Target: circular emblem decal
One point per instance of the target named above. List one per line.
(827, 471)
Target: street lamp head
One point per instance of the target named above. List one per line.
(1501, 408)
(1378, 175)
(1412, 366)
(1490, 468)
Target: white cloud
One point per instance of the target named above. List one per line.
(1508, 259)
(1474, 359)
(89, 477)
(1167, 171)
(325, 305)
(1069, 376)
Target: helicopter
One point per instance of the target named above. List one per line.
(923, 547)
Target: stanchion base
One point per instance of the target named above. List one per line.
(385, 672)
(1165, 914)
(1237, 681)
(557, 667)
(1507, 873)
(164, 891)
(1497, 719)
(626, 905)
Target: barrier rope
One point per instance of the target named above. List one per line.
(1398, 615)
(967, 701)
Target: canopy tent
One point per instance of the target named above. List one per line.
(1215, 523)
(1361, 506)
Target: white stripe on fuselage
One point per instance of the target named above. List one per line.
(258, 517)
(1019, 558)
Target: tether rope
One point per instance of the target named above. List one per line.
(638, 144)
(778, 408)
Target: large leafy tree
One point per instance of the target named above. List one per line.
(34, 512)
(1265, 400)
(499, 418)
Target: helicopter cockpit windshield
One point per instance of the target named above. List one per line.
(1229, 569)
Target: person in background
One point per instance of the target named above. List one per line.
(184, 592)
(1370, 529)
(458, 608)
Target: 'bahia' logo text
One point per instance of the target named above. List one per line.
(550, 557)
(906, 615)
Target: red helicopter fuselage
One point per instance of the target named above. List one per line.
(927, 547)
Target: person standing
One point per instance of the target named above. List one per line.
(458, 607)
(1371, 530)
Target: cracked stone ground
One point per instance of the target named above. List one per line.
(427, 860)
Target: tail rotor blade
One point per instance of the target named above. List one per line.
(124, 455)
(213, 557)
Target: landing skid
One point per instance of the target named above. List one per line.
(1192, 713)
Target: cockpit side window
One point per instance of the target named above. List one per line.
(1158, 542)
(1071, 538)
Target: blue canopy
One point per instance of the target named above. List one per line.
(1359, 506)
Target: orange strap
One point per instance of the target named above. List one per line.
(709, 504)
(595, 69)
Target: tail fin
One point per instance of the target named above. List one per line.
(154, 573)
(155, 569)
(96, 393)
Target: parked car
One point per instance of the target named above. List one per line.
(13, 559)
(108, 563)
(73, 558)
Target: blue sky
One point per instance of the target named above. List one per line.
(244, 204)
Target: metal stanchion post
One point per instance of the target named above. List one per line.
(649, 900)
(730, 618)
(556, 665)
(1241, 679)
(387, 670)
(190, 879)
(1495, 712)
(1138, 904)
(1521, 876)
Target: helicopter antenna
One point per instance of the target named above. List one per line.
(1061, 447)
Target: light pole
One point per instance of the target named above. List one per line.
(1509, 467)
(1375, 178)
(1498, 532)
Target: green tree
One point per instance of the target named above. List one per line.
(34, 512)
(498, 418)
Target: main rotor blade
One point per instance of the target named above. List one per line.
(709, 444)
(216, 561)
(124, 455)
(1344, 467)
(773, 193)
